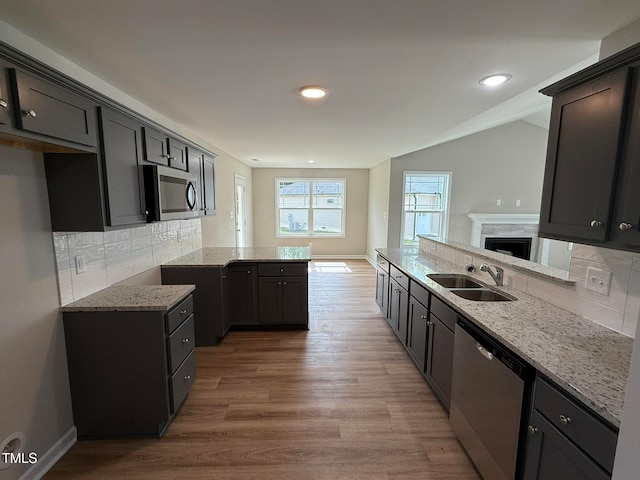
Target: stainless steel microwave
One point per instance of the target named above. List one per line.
(171, 194)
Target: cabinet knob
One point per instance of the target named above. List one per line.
(532, 430)
(565, 420)
(187, 377)
(625, 226)
(281, 270)
(248, 272)
(595, 224)
(423, 317)
(182, 312)
(3, 103)
(279, 283)
(30, 113)
(185, 340)
(145, 212)
(284, 283)
(429, 323)
(171, 158)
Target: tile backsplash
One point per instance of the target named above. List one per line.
(619, 310)
(112, 256)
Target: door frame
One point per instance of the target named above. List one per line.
(240, 210)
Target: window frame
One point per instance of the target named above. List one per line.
(310, 209)
(446, 210)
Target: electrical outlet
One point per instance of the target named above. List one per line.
(468, 259)
(518, 203)
(598, 280)
(81, 264)
(498, 202)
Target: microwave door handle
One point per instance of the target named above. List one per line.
(191, 196)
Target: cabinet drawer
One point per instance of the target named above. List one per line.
(182, 380)
(281, 269)
(179, 313)
(419, 293)
(382, 263)
(181, 343)
(399, 277)
(589, 433)
(445, 313)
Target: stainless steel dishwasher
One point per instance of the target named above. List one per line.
(487, 392)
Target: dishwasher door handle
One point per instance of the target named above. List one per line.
(484, 352)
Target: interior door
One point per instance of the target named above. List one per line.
(241, 211)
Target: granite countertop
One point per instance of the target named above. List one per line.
(127, 298)
(221, 256)
(588, 360)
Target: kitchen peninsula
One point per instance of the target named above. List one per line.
(244, 288)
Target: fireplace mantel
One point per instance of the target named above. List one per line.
(479, 219)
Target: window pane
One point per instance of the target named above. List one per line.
(327, 222)
(294, 222)
(328, 194)
(424, 192)
(421, 223)
(293, 194)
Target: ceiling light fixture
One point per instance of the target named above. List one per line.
(495, 79)
(311, 161)
(313, 91)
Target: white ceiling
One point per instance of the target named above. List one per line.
(401, 74)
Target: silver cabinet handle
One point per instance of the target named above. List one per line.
(595, 224)
(625, 226)
(170, 157)
(484, 352)
(3, 103)
(187, 377)
(30, 113)
(185, 340)
(182, 312)
(565, 420)
(532, 430)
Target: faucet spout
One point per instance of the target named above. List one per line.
(498, 277)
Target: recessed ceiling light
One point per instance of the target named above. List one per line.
(311, 161)
(495, 79)
(313, 91)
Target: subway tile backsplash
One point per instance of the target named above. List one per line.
(619, 310)
(113, 256)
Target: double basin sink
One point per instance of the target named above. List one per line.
(466, 287)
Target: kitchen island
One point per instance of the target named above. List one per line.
(253, 288)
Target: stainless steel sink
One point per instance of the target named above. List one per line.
(448, 280)
(483, 295)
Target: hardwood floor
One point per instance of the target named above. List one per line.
(341, 401)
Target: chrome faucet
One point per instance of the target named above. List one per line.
(498, 277)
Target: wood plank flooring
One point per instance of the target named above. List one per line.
(341, 401)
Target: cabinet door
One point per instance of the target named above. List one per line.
(269, 299)
(382, 291)
(398, 310)
(582, 159)
(440, 359)
(155, 146)
(177, 154)
(240, 294)
(208, 185)
(5, 117)
(417, 332)
(122, 156)
(47, 109)
(194, 158)
(551, 456)
(295, 292)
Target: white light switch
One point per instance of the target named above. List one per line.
(598, 280)
(81, 264)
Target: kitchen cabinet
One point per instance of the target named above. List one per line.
(5, 100)
(590, 192)
(208, 185)
(110, 184)
(194, 166)
(45, 108)
(177, 151)
(398, 303)
(418, 333)
(163, 149)
(565, 440)
(283, 293)
(382, 284)
(241, 296)
(212, 321)
(129, 371)
(439, 369)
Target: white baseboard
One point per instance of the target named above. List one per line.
(338, 257)
(51, 456)
(371, 261)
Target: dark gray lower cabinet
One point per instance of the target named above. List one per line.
(283, 300)
(417, 333)
(129, 371)
(440, 359)
(398, 310)
(565, 440)
(382, 290)
(241, 297)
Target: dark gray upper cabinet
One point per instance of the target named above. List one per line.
(48, 109)
(5, 101)
(122, 158)
(177, 154)
(590, 192)
(194, 166)
(208, 185)
(155, 146)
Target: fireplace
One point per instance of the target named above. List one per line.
(519, 247)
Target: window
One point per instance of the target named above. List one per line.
(310, 208)
(426, 205)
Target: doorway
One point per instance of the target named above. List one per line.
(241, 211)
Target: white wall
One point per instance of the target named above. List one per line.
(505, 162)
(35, 396)
(621, 39)
(264, 211)
(377, 225)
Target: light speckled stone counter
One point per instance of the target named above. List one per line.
(128, 298)
(221, 256)
(590, 361)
